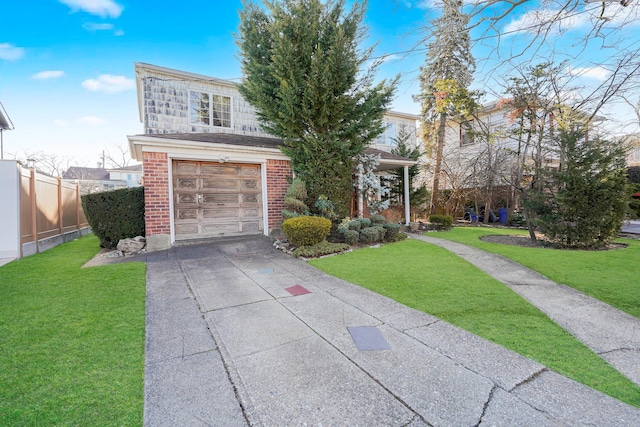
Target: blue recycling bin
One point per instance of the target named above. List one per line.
(502, 213)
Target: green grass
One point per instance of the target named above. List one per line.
(433, 280)
(610, 275)
(71, 339)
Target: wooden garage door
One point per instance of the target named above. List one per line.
(216, 199)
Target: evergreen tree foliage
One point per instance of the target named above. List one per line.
(582, 202)
(450, 65)
(304, 72)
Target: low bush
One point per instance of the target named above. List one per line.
(306, 230)
(320, 249)
(351, 237)
(392, 231)
(364, 222)
(377, 219)
(381, 232)
(441, 222)
(115, 215)
(355, 225)
(369, 235)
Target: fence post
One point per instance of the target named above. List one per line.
(78, 206)
(34, 207)
(60, 208)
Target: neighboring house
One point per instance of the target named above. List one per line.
(101, 179)
(209, 168)
(472, 166)
(633, 156)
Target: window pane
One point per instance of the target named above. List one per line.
(221, 111)
(199, 108)
(391, 134)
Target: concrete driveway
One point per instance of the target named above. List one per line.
(239, 333)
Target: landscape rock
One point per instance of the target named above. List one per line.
(134, 245)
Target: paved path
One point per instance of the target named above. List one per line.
(631, 227)
(227, 344)
(611, 333)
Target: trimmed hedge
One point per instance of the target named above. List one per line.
(115, 215)
(443, 222)
(320, 249)
(306, 230)
(392, 231)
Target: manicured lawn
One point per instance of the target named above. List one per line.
(610, 276)
(433, 280)
(71, 339)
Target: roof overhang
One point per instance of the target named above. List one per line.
(5, 122)
(234, 146)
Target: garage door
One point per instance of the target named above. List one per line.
(216, 199)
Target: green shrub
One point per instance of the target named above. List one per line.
(344, 225)
(381, 232)
(306, 230)
(294, 200)
(369, 235)
(392, 231)
(377, 219)
(364, 222)
(115, 215)
(441, 222)
(320, 249)
(351, 237)
(355, 225)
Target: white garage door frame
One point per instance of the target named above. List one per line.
(218, 158)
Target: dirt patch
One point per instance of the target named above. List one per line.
(525, 241)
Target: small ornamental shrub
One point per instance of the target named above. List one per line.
(392, 231)
(364, 222)
(441, 222)
(115, 215)
(306, 230)
(351, 237)
(294, 200)
(320, 249)
(377, 219)
(381, 232)
(355, 225)
(344, 225)
(369, 235)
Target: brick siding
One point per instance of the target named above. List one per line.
(156, 193)
(277, 185)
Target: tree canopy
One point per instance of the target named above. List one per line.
(311, 83)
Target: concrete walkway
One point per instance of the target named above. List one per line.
(609, 332)
(233, 339)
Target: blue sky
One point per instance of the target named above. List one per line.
(66, 66)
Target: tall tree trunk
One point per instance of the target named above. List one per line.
(436, 173)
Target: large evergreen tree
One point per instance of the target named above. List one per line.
(304, 72)
(449, 65)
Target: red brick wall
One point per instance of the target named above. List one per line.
(156, 193)
(277, 185)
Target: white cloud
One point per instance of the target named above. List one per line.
(93, 26)
(109, 84)
(92, 120)
(9, 52)
(48, 74)
(597, 73)
(118, 33)
(60, 123)
(103, 8)
(533, 21)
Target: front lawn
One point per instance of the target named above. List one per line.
(71, 339)
(433, 280)
(608, 275)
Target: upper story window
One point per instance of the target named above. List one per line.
(209, 109)
(466, 133)
(388, 137)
